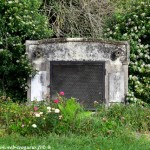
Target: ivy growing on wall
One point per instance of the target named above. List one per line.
(134, 26)
(20, 20)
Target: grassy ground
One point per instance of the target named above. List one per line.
(74, 142)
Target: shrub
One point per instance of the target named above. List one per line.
(39, 117)
(133, 25)
(36, 118)
(19, 21)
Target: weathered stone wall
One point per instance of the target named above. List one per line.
(114, 54)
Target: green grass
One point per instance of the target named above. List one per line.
(74, 142)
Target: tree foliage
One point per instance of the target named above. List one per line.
(20, 20)
(134, 26)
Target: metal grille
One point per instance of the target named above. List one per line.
(81, 80)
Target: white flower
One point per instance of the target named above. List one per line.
(110, 32)
(125, 34)
(34, 126)
(53, 108)
(116, 27)
(37, 115)
(135, 16)
(135, 27)
(141, 46)
(41, 113)
(57, 111)
(10, 2)
(108, 29)
(48, 108)
(129, 19)
(143, 14)
(60, 117)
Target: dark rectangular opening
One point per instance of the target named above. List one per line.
(84, 81)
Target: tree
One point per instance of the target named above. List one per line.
(77, 18)
(134, 26)
(20, 20)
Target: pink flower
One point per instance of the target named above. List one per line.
(35, 108)
(61, 93)
(56, 101)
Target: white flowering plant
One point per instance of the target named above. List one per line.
(20, 20)
(134, 26)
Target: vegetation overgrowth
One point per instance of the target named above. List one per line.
(133, 25)
(64, 116)
(19, 21)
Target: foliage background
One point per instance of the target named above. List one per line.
(134, 26)
(20, 20)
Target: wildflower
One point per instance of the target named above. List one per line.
(123, 118)
(10, 2)
(35, 108)
(37, 115)
(143, 14)
(41, 113)
(34, 126)
(60, 117)
(22, 125)
(56, 101)
(104, 119)
(57, 111)
(53, 108)
(48, 108)
(61, 93)
(117, 27)
(129, 19)
(108, 29)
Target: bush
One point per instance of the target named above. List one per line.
(38, 117)
(19, 21)
(35, 119)
(133, 25)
